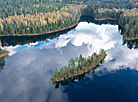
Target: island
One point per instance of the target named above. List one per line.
(78, 66)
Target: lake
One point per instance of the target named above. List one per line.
(25, 72)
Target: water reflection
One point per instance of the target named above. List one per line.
(70, 80)
(21, 40)
(91, 19)
(131, 44)
(73, 79)
(2, 63)
(26, 77)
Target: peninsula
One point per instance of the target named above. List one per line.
(3, 53)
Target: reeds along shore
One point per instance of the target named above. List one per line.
(78, 66)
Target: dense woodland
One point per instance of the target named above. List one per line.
(36, 16)
(78, 66)
(10, 7)
(130, 24)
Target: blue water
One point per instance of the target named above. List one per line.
(25, 77)
(120, 86)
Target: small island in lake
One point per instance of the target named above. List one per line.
(78, 66)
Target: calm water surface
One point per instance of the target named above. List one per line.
(25, 72)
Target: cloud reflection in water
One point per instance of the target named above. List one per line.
(27, 72)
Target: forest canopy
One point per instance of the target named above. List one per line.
(36, 16)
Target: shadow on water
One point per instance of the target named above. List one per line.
(2, 63)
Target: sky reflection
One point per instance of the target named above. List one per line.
(26, 75)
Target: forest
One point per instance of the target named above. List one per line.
(78, 66)
(36, 16)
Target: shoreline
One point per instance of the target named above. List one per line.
(126, 38)
(4, 54)
(100, 19)
(49, 32)
(130, 39)
(80, 73)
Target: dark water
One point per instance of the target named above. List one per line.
(120, 86)
(91, 19)
(25, 72)
(14, 40)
